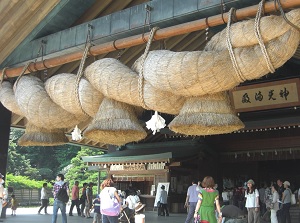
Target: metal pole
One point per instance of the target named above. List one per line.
(160, 34)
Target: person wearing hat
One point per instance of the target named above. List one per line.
(163, 199)
(2, 191)
(286, 203)
(252, 202)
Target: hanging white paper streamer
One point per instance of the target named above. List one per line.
(156, 123)
(76, 134)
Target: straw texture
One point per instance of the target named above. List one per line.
(115, 123)
(207, 72)
(243, 35)
(37, 106)
(115, 80)
(7, 98)
(61, 89)
(37, 136)
(206, 115)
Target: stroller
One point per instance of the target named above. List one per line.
(128, 215)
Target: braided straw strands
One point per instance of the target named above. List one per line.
(33, 136)
(38, 136)
(37, 106)
(7, 98)
(115, 80)
(61, 89)
(207, 72)
(271, 27)
(115, 123)
(206, 115)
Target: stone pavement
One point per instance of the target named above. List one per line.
(29, 215)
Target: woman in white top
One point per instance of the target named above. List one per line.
(274, 204)
(44, 198)
(252, 202)
(109, 196)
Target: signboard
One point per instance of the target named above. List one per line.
(128, 167)
(277, 94)
(138, 166)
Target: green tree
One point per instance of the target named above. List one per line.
(19, 165)
(46, 161)
(19, 182)
(78, 170)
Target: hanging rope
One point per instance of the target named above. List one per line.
(223, 9)
(80, 70)
(147, 21)
(238, 71)
(21, 74)
(284, 16)
(141, 73)
(3, 75)
(259, 37)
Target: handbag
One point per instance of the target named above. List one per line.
(197, 219)
(109, 205)
(293, 199)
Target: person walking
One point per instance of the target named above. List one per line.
(44, 199)
(252, 202)
(83, 199)
(14, 205)
(107, 194)
(191, 200)
(60, 183)
(89, 200)
(75, 199)
(96, 207)
(163, 199)
(274, 203)
(208, 199)
(286, 203)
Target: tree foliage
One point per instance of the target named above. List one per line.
(36, 162)
(44, 163)
(20, 182)
(78, 170)
(18, 164)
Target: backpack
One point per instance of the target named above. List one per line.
(109, 205)
(62, 194)
(82, 197)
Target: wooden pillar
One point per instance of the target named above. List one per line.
(5, 119)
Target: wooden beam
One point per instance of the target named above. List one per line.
(93, 11)
(15, 119)
(26, 17)
(160, 34)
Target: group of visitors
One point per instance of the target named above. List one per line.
(84, 203)
(277, 198)
(101, 205)
(203, 203)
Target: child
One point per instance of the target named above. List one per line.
(96, 207)
(14, 205)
